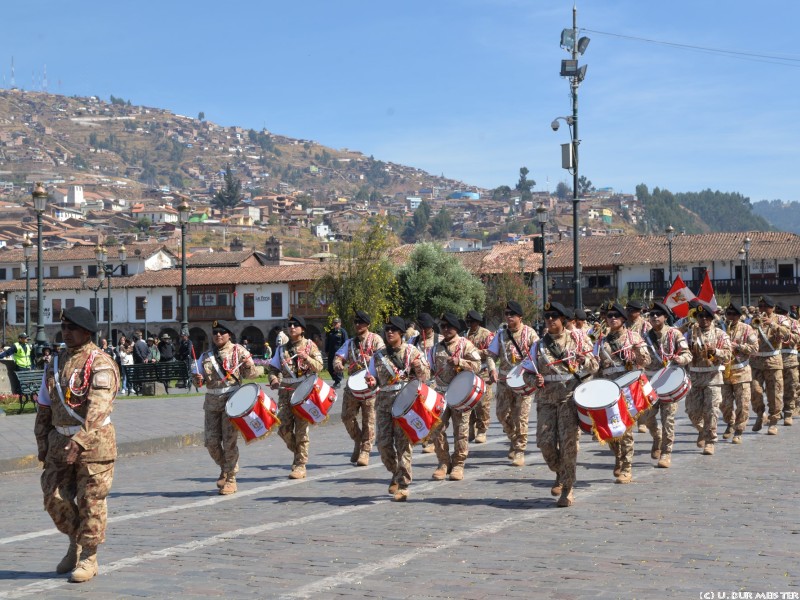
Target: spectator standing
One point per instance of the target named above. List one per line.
(140, 349)
(166, 349)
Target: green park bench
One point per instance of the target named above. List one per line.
(29, 383)
(155, 372)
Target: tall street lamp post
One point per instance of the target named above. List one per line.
(747, 266)
(543, 216)
(101, 277)
(670, 236)
(742, 259)
(3, 305)
(39, 205)
(183, 216)
(102, 260)
(144, 303)
(27, 251)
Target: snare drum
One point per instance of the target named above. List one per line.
(312, 400)
(521, 381)
(357, 384)
(418, 410)
(602, 409)
(671, 384)
(465, 391)
(638, 392)
(252, 412)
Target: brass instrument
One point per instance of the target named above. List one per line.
(697, 340)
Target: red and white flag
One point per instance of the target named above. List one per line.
(678, 297)
(706, 295)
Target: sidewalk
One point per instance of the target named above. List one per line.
(143, 425)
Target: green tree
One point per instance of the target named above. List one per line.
(230, 195)
(442, 225)
(563, 191)
(422, 217)
(509, 285)
(501, 193)
(143, 224)
(584, 186)
(524, 184)
(201, 116)
(434, 281)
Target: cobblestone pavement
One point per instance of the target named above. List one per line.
(720, 524)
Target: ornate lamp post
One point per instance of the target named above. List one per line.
(747, 265)
(742, 259)
(39, 205)
(144, 302)
(101, 277)
(184, 211)
(27, 250)
(670, 236)
(3, 305)
(542, 215)
(102, 260)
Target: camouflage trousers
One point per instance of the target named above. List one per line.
(513, 411)
(220, 436)
(790, 388)
(558, 436)
(392, 442)
(771, 381)
(664, 436)
(735, 405)
(623, 450)
(350, 409)
(460, 421)
(292, 429)
(75, 495)
(480, 416)
(702, 403)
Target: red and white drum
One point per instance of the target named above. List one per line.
(417, 410)
(357, 384)
(252, 412)
(638, 392)
(521, 381)
(601, 408)
(671, 384)
(312, 399)
(465, 391)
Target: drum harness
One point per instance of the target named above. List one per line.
(396, 366)
(216, 361)
(561, 356)
(296, 375)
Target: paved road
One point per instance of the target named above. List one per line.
(726, 523)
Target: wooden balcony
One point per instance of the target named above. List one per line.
(591, 297)
(311, 311)
(210, 313)
(761, 285)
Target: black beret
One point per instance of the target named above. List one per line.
(396, 322)
(221, 325)
(363, 317)
(450, 319)
(474, 315)
(767, 300)
(735, 306)
(514, 306)
(662, 307)
(559, 308)
(634, 305)
(782, 307)
(425, 320)
(580, 314)
(703, 311)
(299, 320)
(82, 317)
(616, 306)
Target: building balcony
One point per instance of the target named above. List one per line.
(760, 285)
(211, 313)
(591, 297)
(311, 311)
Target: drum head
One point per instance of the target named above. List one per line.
(243, 400)
(358, 382)
(303, 389)
(627, 379)
(668, 379)
(405, 398)
(460, 387)
(598, 393)
(514, 377)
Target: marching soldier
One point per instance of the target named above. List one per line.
(767, 365)
(222, 370)
(77, 442)
(451, 356)
(790, 363)
(291, 364)
(711, 350)
(561, 360)
(391, 369)
(667, 346)
(356, 353)
(481, 338)
(510, 346)
(621, 350)
(737, 377)
(424, 341)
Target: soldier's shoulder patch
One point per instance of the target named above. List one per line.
(103, 378)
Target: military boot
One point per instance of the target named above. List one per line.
(428, 448)
(363, 459)
(480, 437)
(298, 472)
(401, 495)
(221, 479)
(642, 428)
(665, 461)
(625, 476)
(519, 459)
(356, 453)
(566, 498)
(230, 485)
(772, 430)
(737, 438)
(708, 450)
(457, 474)
(700, 441)
(441, 472)
(655, 450)
(557, 488)
(393, 487)
(728, 433)
(787, 420)
(759, 422)
(87, 567)
(617, 466)
(70, 560)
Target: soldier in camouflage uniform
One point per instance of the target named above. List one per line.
(222, 370)
(355, 354)
(711, 350)
(424, 341)
(481, 414)
(292, 363)
(767, 365)
(510, 346)
(77, 442)
(736, 379)
(560, 360)
(391, 369)
(621, 350)
(451, 356)
(667, 346)
(790, 362)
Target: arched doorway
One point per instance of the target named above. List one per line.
(255, 339)
(199, 340)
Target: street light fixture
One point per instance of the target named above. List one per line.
(184, 211)
(101, 253)
(3, 305)
(27, 251)
(542, 215)
(742, 259)
(39, 205)
(747, 265)
(670, 236)
(569, 158)
(101, 277)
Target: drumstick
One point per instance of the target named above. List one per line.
(196, 366)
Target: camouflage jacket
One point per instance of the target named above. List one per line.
(711, 349)
(564, 361)
(667, 347)
(621, 351)
(481, 340)
(744, 341)
(469, 359)
(392, 367)
(504, 350)
(228, 366)
(356, 352)
(289, 364)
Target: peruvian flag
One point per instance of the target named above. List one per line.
(678, 297)
(706, 295)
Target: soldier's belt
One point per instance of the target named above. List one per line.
(706, 369)
(564, 377)
(765, 354)
(69, 430)
(788, 351)
(286, 380)
(391, 388)
(739, 366)
(221, 391)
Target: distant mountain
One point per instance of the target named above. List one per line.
(782, 215)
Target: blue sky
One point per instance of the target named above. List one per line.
(464, 88)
